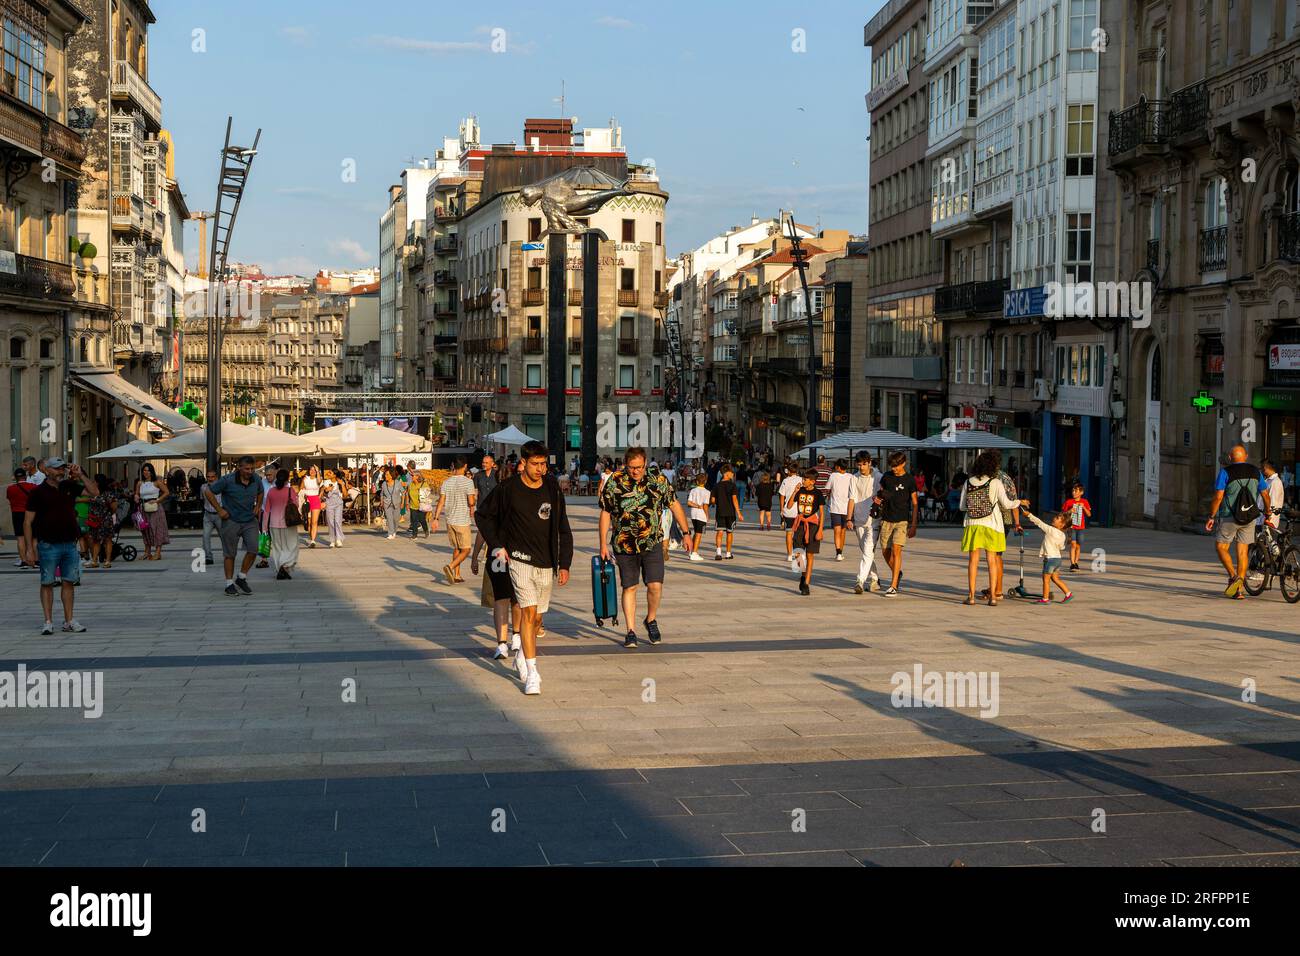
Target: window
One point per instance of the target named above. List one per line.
(629, 230)
(659, 234)
(503, 375)
(535, 278)
(959, 351)
(971, 364)
(1216, 203)
(505, 231)
(16, 404)
(659, 278)
(1085, 365)
(627, 376)
(25, 62)
(627, 279)
(656, 380)
(1083, 20)
(988, 362)
(1078, 140)
(533, 375)
(1261, 23)
(47, 349)
(1078, 246)
(534, 229)
(575, 376)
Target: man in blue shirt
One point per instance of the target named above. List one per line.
(240, 509)
(1234, 533)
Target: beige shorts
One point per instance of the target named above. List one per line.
(461, 536)
(532, 585)
(893, 533)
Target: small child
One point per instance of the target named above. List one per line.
(726, 509)
(1080, 511)
(334, 513)
(1050, 551)
(699, 500)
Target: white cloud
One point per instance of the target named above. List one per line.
(435, 47)
(616, 23)
(350, 248)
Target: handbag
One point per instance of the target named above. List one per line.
(264, 545)
(141, 522)
(150, 506)
(292, 515)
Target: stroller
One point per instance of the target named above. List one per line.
(125, 552)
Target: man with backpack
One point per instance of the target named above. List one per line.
(1235, 506)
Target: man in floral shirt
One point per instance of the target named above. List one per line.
(632, 503)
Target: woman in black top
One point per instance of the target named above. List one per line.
(763, 492)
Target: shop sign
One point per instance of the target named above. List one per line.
(1024, 303)
(1284, 357)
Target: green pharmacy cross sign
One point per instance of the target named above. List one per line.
(1203, 401)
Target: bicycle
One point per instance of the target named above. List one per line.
(1273, 555)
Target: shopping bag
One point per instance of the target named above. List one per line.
(263, 545)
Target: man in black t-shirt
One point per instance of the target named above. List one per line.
(727, 511)
(810, 516)
(52, 529)
(898, 516)
(526, 526)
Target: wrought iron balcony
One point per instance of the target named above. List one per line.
(446, 246)
(444, 277)
(534, 345)
(39, 279)
(1144, 124)
(1289, 237)
(444, 310)
(1189, 109)
(627, 297)
(533, 296)
(983, 296)
(575, 297)
(575, 345)
(444, 341)
(1213, 249)
(628, 346)
(662, 299)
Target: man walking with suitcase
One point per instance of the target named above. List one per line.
(632, 502)
(526, 527)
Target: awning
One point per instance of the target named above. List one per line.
(973, 438)
(118, 390)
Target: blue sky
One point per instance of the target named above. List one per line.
(737, 123)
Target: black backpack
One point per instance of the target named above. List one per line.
(1245, 507)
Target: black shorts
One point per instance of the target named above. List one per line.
(648, 566)
(698, 525)
(787, 523)
(806, 537)
(726, 523)
(502, 587)
(764, 500)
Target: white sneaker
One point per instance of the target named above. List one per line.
(521, 665)
(391, 537)
(533, 685)
(695, 556)
(516, 643)
(839, 557)
(72, 627)
(19, 563)
(47, 627)
(502, 652)
(674, 546)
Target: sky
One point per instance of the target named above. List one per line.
(737, 121)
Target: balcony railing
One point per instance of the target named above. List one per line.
(660, 347)
(127, 82)
(1289, 237)
(39, 279)
(444, 309)
(534, 345)
(1213, 249)
(628, 346)
(662, 299)
(627, 297)
(575, 297)
(1144, 124)
(533, 296)
(446, 246)
(1153, 255)
(1189, 109)
(575, 346)
(445, 213)
(444, 341)
(444, 277)
(983, 296)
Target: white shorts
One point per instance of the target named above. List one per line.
(532, 585)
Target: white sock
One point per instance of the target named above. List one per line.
(532, 666)
(241, 575)
(230, 582)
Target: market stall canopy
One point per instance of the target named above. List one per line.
(366, 438)
(239, 440)
(138, 450)
(850, 441)
(510, 436)
(118, 390)
(972, 438)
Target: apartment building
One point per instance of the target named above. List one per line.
(844, 397)
(245, 372)
(504, 277)
(903, 364)
(39, 299)
(1202, 144)
(307, 340)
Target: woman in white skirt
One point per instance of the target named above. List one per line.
(284, 539)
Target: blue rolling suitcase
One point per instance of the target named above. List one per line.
(604, 591)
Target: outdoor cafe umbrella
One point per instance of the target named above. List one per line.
(971, 438)
(238, 440)
(138, 450)
(850, 441)
(367, 438)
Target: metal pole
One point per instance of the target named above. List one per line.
(556, 353)
(800, 260)
(213, 412)
(590, 334)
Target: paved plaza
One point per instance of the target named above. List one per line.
(761, 731)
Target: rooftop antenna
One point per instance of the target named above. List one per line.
(560, 99)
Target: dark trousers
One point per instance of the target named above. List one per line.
(419, 522)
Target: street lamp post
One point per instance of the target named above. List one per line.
(800, 257)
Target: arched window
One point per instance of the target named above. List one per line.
(83, 351)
